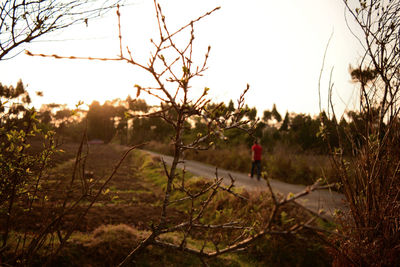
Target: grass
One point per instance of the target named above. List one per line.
(282, 163)
(122, 217)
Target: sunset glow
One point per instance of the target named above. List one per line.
(276, 47)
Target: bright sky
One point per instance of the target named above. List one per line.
(275, 46)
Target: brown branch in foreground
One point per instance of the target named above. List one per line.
(176, 109)
(245, 242)
(28, 53)
(306, 191)
(229, 189)
(23, 22)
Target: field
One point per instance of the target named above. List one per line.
(131, 202)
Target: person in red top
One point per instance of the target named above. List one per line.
(256, 151)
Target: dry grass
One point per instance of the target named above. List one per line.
(123, 216)
(282, 163)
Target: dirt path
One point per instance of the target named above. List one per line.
(322, 199)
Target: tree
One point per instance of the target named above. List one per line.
(25, 152)
(276, 114)
(370, 179)
(273, 114)
(101, 123)
(172, 66)
(19, 166)
(14, 116)
(252, 114)
(285, 123)
(177, 109)
(22, 21)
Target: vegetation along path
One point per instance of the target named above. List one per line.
(327, 200)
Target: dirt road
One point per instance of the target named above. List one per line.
(326, 200)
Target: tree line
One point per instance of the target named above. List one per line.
(367, 235)
(121, 121)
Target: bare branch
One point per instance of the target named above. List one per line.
(22, 21)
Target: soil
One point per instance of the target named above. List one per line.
(128, 198)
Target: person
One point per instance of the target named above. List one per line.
(256, 151)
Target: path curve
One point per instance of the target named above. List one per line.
(326, 200)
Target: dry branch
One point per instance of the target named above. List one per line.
(177, 108)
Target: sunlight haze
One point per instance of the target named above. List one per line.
(275, 46)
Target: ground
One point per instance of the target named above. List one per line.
(130, 203)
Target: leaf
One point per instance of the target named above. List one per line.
(185, 70)
(285, 219)
(290, 195)
(139, 88)
(80, 103)
(337, 212)
(127, 115)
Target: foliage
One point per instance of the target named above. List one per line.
(281, 163)
(138, 186)
(370, 178)
(214, 122)
(20, 168)
(25, 153)
(111, 121)
(101, 124)
(172, 67)
(26, 187)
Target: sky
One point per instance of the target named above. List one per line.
(277, 47)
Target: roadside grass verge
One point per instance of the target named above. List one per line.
(282, 163)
